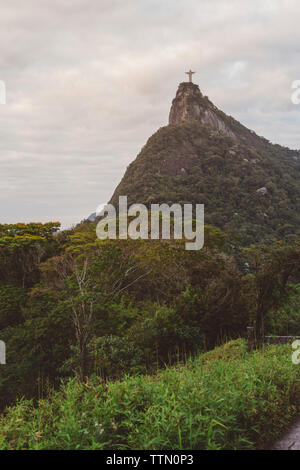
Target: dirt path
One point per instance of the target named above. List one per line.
(291, 439)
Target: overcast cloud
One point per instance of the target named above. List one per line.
(88, 81)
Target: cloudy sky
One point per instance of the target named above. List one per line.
(88, 81)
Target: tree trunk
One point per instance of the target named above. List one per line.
(259, 327)
(83, 362)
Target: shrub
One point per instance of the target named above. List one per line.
(224, 399)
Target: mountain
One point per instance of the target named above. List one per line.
(92, 217)
(249, 186)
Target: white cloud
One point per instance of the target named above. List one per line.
(89, 81)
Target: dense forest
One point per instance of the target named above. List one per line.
(74, 305)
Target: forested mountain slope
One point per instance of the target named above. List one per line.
(248, 185)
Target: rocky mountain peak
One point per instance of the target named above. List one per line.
(187, 105)
(190, 105)
(205, 156)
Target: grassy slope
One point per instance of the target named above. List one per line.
(224, 399)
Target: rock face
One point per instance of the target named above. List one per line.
(262, 190)
(190, 105)
(92, 217)
(204, 156)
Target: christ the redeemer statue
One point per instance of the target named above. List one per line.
(190, 73)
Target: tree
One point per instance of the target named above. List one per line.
(22, 247)
(101, 271)
(272, 269)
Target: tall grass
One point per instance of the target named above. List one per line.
(224, 399)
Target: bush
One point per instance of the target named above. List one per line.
(224, 399)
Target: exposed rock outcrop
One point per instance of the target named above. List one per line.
(190, 105)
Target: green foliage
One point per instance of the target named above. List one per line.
(227, 399)
(36, 348)
(33, 229)
(273, 268)
(190, 163)
(12, 301)
(22, 248)
(286, 321)
(133, 306)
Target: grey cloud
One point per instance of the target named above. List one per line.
(88, 81)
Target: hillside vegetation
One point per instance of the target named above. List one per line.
(226, 399)
(77, 305)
